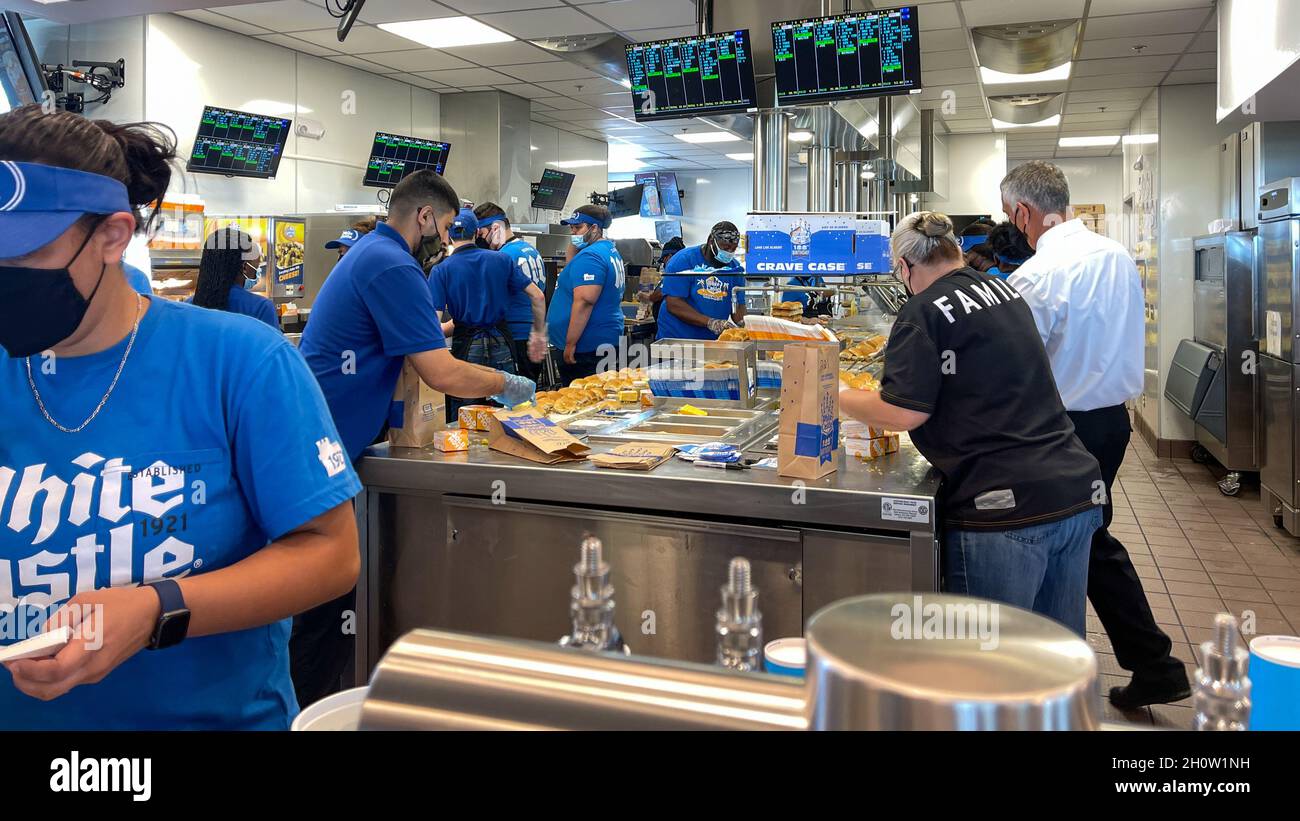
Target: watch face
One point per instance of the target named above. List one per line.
(171, 629)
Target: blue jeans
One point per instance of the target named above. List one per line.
(492, 351)
(1043, 568)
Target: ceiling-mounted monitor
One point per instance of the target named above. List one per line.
(626, 202)
(393, 156)
(238, 144)
(21, 80)
(691, 76)
(860, 54)
(553, 191)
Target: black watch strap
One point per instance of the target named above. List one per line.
(174, 617)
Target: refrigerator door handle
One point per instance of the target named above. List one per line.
(1256, 287)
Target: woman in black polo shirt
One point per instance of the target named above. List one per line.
(967, 374)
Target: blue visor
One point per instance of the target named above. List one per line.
(580, 218)
(39, 202)
(346, 240)
(486, 221)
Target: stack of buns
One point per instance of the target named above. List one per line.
(788, 310)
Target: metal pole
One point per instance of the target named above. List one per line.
(821, 178)
(704, 17)
(771, 161)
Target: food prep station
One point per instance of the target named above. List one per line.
(484, 542)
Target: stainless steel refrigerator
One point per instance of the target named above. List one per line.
(1279, 361)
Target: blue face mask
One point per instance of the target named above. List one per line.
(251, 282)
(578, 240)
(725, 257)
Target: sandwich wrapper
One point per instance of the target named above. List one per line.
(635, 456)
(531, 436)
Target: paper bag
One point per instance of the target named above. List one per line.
(531, 436)
(416, 413)
(808, 441)
(635, 456)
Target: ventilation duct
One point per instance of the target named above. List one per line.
(1026, 48)
(1023, 109)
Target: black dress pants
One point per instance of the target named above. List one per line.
(1114, 588)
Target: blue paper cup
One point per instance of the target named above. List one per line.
(785, 657)
(1275, 683)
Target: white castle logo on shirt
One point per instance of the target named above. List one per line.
(110, 494)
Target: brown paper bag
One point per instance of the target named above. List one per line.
(635, 456)
(529, 435)
(810, 411)
(416, 413)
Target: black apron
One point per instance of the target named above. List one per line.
(464, 335)
(817, 304)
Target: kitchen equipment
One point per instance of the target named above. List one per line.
(1222, 694)
(740, 623)
(1249, 159)
(592, 604)
(1275, 329)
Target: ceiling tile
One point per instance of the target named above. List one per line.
(629, 15)
(1104, 7)
(393, 11)
(463, 77)
(548, 72)
(1104, 96)
(943, 60)
(361, 40)
(1124, 65)
(1201, 59)
(527, 91)
(645, 35)
(279, 16)
(1206, 41)
(994, 12)
(543, 23)
(504, 54)
(290, 42)
(590, 86)
(228, 23)
(946, 79)
(938, 16)
(361, 63)
(1116, 81)
(1123, 46)
(943, 39)
(417, 80)
(1200, 75)
(421, 59)
(477, 7)
(1138, 25)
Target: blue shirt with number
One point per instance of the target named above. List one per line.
(373, 310)
(474, 286)
(597, 264)
(215, 442)
(530, 262)
(708, 292)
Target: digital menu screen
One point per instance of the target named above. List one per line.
(862, 54)
(691, 76)
(238, 144)
(393, 156)
(553, 190)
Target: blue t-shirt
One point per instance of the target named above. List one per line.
(528, 260)
(246, 302)
(709, 292)
(597, 264)
(215, 442)
(802, 296)
(372, 311)
(474, 285)
(137, 279)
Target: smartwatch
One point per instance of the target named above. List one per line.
(174, 620)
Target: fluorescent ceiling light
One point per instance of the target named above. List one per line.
(1141, 139)
(1088, 142)
(447, 32)
(801, 136)
(532, 148)
(625, 83)
(998, 78)
(1053, 120)
(741, 157)
(701, 181)
(708, 137)
(577, 163)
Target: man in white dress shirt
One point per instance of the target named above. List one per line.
(1086, 298)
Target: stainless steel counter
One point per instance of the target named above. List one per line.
(483, 542)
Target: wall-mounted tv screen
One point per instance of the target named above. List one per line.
(626, 202)
(691, 76)
(238, 144)
(553, 191)
(861, 54)
(21, 81)
(393, 156)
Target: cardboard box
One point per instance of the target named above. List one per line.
(635, 456)
(452, 440)
(867, 449)
(808, 436)
(475, 417)
(853, 429)
(531, 436)
(416, 413)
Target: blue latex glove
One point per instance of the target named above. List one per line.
(518, 390)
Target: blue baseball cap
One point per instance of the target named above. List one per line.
(346, 240)
(580, 218)
(39, 202)
(465, 225)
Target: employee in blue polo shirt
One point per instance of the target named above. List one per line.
(177, 479)
(699, 306)
(373, 313)
(494, 233)
(815, 303)
(230, 265)
(473, 287)
(586, 313)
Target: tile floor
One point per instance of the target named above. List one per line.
(1198, 553)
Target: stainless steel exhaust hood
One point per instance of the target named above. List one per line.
(1023, 109)
(1026, 48)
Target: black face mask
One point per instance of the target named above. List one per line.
(41, 307)
(484, 244)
